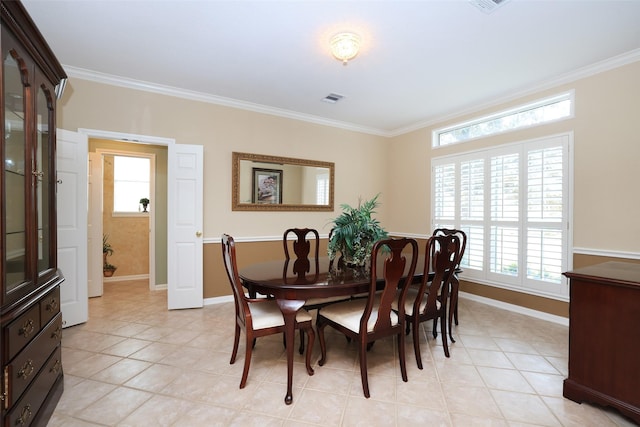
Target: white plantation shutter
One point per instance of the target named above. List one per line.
(472, 215)
(472, 190)
(322, 189)
(445, 192)
(505, 199)
(545, 195)
(513, 204)
(474, 252)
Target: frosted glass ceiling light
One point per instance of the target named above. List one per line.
(345, 46)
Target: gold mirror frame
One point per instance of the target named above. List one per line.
(236, 205)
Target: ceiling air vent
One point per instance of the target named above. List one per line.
(332, 98)
(488, 6)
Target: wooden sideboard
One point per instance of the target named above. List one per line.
(604, 337)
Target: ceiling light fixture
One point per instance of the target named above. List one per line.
(345, 46)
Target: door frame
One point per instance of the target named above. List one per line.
(132, 139)
(102, 152)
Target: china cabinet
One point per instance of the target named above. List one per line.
(31, 322)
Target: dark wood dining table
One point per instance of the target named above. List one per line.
(291, 285)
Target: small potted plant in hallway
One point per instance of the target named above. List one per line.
(144, 202)
(107, 268)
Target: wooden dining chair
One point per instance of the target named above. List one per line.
(455, 284)
(301, 247)
(258, 317)
(366, 320)
(428, 300)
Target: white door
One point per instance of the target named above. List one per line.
(71, 161)
(185, 226)
(94, 225)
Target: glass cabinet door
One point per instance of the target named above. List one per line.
(43, 179)
(15, 168)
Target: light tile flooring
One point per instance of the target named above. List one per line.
(136, 364)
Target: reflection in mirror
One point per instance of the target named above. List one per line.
(273, 183)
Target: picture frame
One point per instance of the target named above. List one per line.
(267, 186)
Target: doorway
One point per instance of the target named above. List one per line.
(184, 223)
(116, 217)
(105, 145)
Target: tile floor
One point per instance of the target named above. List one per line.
(136, 364)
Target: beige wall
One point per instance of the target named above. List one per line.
(606, 161)
(607, 165)
(222, 130)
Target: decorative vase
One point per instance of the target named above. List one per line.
(144, 208)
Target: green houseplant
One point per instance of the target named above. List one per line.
(354, 233)
(107, 268)
(144, 202)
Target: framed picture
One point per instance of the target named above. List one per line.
(267, 186)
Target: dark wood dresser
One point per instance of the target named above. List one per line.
(604, 337)
(30, 317)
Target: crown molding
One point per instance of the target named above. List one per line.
(590, 70)
(109, 79)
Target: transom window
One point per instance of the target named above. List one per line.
(536, 113)
(513, 203)
(131, 182)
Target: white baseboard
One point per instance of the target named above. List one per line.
(218, 300)
(125, 278)
(516, 309)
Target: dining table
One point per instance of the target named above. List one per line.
(292, 282)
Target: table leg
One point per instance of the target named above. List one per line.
(289, 309)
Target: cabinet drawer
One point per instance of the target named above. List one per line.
(50, 306)
(28, 363)
(27, 407)
(22, 330)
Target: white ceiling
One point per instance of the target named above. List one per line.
(420, 61)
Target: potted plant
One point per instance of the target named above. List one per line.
(144, 202)
(354, 233)
(107, 268)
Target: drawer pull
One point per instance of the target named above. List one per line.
(27, 329)
(56, 367)
(25, 415)
(52, 305)
(57, 333)
(26, 370)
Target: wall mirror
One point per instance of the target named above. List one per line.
(270, 183)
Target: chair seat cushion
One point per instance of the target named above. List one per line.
(267, 314)
(349, 313)
(410, 299)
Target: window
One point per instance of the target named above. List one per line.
(131, 182)
(322, 189)
(513, 203)
(533, 114)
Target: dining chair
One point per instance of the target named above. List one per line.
(258, 317)
(301, 247)
(455, 283)
(428, 300)
(366, 320)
